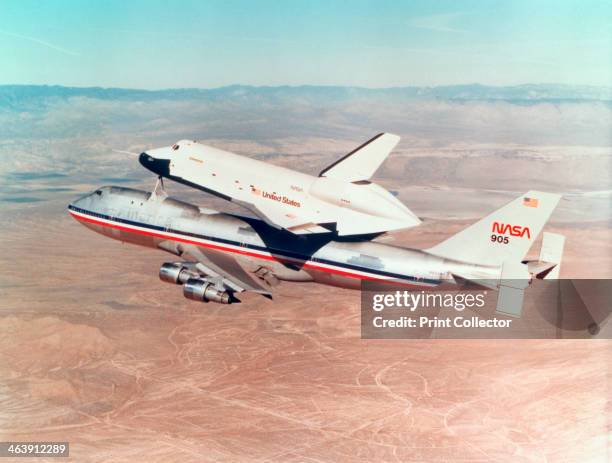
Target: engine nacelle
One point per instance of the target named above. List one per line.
(201, 290)
(177, 273)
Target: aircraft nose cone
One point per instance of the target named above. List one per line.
(80, 201)
(87, 201)
(158, 166)
(75, 203)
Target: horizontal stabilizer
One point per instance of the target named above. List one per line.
(538, 268)
(364, 161)
(552, 251)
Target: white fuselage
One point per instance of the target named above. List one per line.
(140, 218)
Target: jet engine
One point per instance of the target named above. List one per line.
(198, 289)
(177, 273)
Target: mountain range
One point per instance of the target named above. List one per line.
(16, 95)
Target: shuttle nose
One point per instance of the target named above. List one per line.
(158, 166)
(144, 158)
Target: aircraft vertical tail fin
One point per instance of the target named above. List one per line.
(363, 161)
(505, 235)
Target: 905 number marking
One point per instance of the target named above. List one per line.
(499, 239)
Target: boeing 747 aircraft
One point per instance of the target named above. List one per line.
(224, 254)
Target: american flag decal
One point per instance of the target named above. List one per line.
(530, 202)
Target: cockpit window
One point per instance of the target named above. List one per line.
(99, 192)
(175, 147)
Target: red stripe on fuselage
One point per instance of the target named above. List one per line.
(226, 249)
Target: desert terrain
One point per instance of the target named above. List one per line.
(95, 350)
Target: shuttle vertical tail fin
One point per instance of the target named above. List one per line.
(363, 161)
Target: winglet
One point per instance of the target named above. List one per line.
(363, 161)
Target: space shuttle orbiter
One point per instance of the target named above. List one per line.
(341, 199)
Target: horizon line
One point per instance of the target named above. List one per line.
(296, 86)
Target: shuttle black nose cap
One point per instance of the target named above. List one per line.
(158, 166)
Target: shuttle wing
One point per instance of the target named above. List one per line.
(363, 161)
(278, 217)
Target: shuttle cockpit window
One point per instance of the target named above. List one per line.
(175, 147)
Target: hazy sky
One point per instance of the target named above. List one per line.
(163, 44)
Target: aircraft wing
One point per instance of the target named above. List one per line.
(224, 266)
